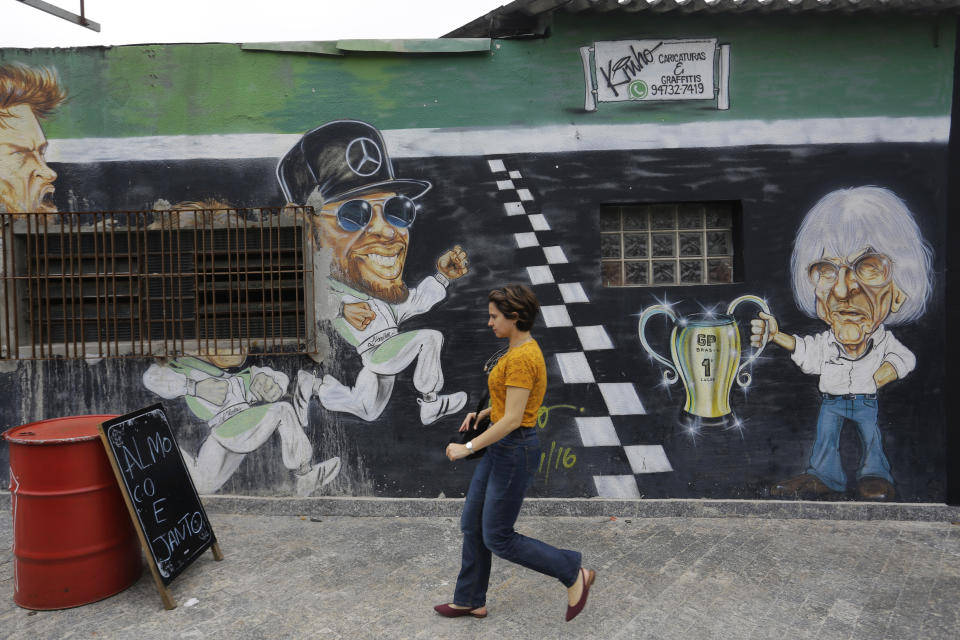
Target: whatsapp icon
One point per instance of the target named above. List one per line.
(638, 89)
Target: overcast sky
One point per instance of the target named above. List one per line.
(158, 21)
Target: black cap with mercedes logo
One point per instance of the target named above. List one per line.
(341, 159)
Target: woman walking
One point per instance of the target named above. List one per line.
(517, 385)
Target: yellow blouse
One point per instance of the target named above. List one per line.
(521, 367)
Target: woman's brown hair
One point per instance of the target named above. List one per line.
(516, 301)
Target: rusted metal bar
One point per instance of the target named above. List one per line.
(131, 217)
(246, 279)
(228, 249)
(99, 294)
(298, 265)
(72, 333)
(78, 242)
(195, 264)
(180, 299)
(30, 278)
(46, 286)
(146, 304)
(208, 302)
(263, 293)
(113, 280)
(54, 10)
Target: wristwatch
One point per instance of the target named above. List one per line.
(469, 445)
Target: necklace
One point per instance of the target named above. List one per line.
(494, 359)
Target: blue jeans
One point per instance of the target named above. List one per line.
(496, 492)
(825, 458)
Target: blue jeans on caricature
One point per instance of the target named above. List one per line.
(825, 459)
(493, 502)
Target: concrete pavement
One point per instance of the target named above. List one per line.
(321, 576)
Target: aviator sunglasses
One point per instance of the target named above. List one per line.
(399, 211)
(872, 269)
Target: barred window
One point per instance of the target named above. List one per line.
(155, 283)
(665, 244)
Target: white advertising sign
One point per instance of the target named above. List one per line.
(656, 70)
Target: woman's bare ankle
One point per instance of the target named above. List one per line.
(574, 590)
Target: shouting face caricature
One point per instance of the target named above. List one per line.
(26, 96)
(363, 218)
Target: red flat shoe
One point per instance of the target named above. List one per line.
(452, 612)
(574, 610)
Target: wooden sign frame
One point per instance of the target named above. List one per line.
(112, 434)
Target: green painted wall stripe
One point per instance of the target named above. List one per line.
(783, 67)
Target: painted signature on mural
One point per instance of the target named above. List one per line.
(558, 455)
(629, 67)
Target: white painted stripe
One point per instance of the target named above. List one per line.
(496, 166)
(621, 487)
(525, 195)
(226, 147)
(503, 185)
(574, 367)
(597, 432)
(417, 143)
(594, 338)
(515, 175)
(555, 255)
(647, 458)
(621, 398)
(514, 208)
(572, 292)
(540, 275)
(528, 239)
(555, 315)
(729, 133)
(539, 222)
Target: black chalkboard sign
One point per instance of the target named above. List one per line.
(164, 505)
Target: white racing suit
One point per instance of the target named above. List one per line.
(385, 351)
(237, 426)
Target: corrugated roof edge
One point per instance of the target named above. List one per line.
(531, 18)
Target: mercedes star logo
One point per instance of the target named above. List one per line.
(364, 157)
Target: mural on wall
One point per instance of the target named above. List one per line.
(364, 217)
(527, 195)
(859, 264)
(27, 96)
(243, 410)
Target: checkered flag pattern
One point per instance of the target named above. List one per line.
(590, 358)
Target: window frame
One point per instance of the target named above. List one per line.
(679, 220)
(238, 256)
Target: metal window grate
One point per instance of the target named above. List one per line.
(155, 283)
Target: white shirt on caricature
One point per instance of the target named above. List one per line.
(822, 355)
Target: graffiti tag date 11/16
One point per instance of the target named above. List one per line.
(558, 455)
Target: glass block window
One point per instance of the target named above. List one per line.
(667, 244)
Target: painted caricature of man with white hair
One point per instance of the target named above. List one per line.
(859, 264)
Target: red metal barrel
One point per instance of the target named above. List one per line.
(73, 542)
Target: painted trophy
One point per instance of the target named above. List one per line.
(705, 354)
